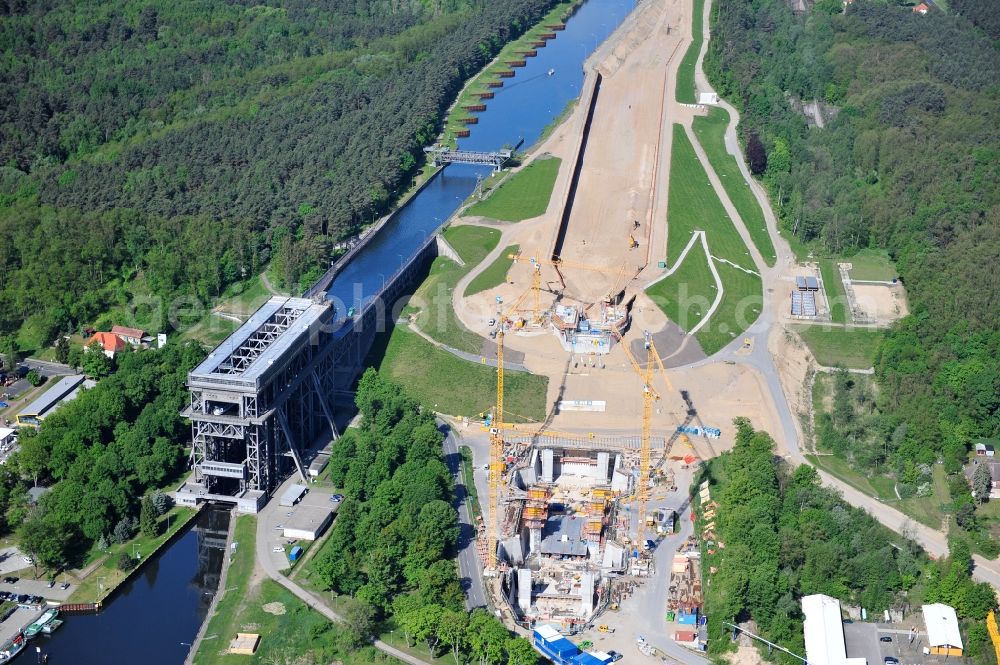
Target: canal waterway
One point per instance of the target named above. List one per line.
(152, 619)
(521, 110)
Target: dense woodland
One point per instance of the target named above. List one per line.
(786, 536)
(910, 163)
(101, 453)
(162, 148)
(393, 543)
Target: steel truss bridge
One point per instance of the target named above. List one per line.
(440, 156)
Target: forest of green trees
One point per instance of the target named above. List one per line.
(392, 546)
(161, 148)
(100, 453)
(786, 536)
(910, 163)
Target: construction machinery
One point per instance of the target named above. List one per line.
(557, 263)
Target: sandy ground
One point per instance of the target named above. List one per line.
(885, 303)
(623, 157)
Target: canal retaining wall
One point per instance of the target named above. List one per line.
(588, 101)
(323, 283)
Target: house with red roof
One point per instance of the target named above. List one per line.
(132, 336)
(921, 9)
(110, 343)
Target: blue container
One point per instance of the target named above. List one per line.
(295, 553)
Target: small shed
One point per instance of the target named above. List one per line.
(943, 635)
(6, 436)
(293, 495)
(982, 449)
(244, 644)
(685, 637)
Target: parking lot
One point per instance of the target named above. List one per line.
(865, 640)
(275, 517)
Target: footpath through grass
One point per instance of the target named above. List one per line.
(290, 631)
(523, 195)
(494, 275)
(693, 205)
(853, 348)
(687, 295)
(451, 385)
(711, 133)
(432, 299)
(685, 91)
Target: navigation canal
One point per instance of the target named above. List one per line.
(521, 110)
(158, 614)
(154, 618)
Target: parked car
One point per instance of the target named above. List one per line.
(64, 586)
(51, 583)
(28, 559)
(10, 580)
(337, 498)
(889, 660)
(885, 638)
(615, 656)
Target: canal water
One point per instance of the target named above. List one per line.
(153, 619)
(521, 110)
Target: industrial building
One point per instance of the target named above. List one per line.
(824, 632)
(65, 390)
(943, 635)
(258, 401)
(310, 517)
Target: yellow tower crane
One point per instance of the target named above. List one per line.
(649, 395)
(496, 442)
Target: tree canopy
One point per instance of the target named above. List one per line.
(154, 148)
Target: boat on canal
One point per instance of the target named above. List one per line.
(41, 623)
(12, 648)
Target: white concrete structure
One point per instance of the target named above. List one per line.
(708, 98)
(943, 635)
(6, 435)
(824, 632)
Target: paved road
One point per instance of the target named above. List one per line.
(760, 358)
(266, 520)
(46, 368)
(470, 566)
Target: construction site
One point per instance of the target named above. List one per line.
(579, 503)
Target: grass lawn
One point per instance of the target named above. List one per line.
(297, 634)
(90, 589)
(495, 274)
(859, 481)
(454, 386)
(685, 72)
(687, 294)
(872, 264)
(930, 510)
(241, 300)
(741, 305)
(853, 348)
(432, 299)
(524, 195)
(693, 205)
(835, 293)
(710, 131)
